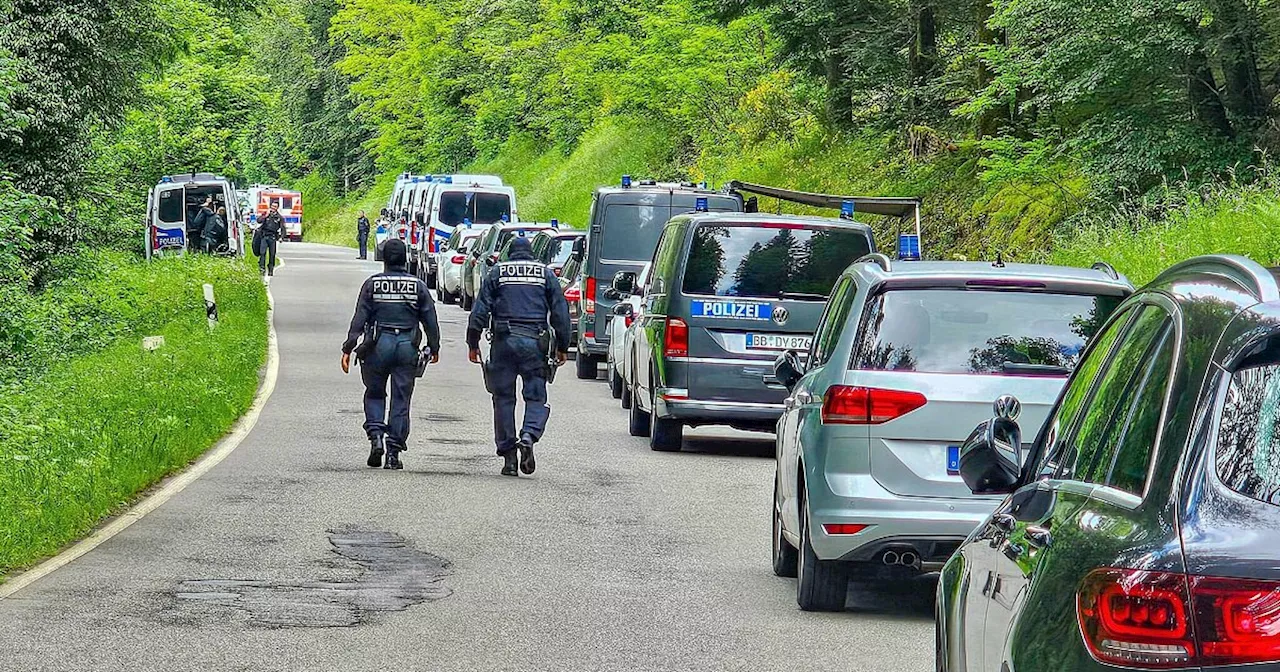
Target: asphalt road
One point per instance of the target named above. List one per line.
(292, 555)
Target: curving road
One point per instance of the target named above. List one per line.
(291, 555)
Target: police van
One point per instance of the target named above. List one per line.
(393, 221)
(451, 201)
(172, 206)
(622, 233)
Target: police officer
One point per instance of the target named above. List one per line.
(196, 228)
(362, 234)
(392, 305)
(518, 301)
(271, 229)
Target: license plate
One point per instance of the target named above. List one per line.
(778, 342)
(953, 460)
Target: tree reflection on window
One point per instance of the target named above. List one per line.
(1248, 455)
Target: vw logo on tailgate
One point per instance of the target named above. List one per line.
(781, 315)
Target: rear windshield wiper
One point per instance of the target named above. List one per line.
(802, 296)
(1035, 369)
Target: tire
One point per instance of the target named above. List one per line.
(637, 419)
(785, 556)
(821, 585)
(615, 382)
(585, 366)
(626, 395)
(466, 302)
(665, 436)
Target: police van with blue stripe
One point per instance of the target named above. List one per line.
(728, 293)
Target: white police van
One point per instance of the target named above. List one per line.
(172, 205)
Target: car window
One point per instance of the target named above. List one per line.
(1075, 395)
(665, 260)
(985, 332)
(1248, 451)
(480, 208)
(1136, 444)
(171, 209)
(833, 321)
(1094, 448)
(770, 260)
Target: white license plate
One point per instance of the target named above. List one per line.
(778, 342)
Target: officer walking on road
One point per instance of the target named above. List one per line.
(271, 229)
(392, 305)
(362, 234)
(523, 306)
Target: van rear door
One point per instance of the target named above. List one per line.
(168, 232)
(753, 290)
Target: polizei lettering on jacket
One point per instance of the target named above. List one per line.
(395, 289)
(732, 310)
(521, 273)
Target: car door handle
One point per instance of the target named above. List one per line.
(1039, 537)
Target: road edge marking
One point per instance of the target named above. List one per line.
(174, 484)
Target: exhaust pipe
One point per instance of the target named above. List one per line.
(890, 557)
(908, 558)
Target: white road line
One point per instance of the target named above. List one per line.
(174, 484)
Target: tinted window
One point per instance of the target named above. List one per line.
(1107, 419)
(979, 331)
(561, 250)
(171, 206)
(833, 321)
(480, 208)
(665, 259)
(1248, 452)
(770, 261)
(631, 231)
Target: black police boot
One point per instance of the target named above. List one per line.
(527, 465)
(509, 464)
(375, 452)
(393, 458)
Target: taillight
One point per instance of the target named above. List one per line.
(629, 319)
(846, 405)
(675, 341)
(843, 528)
(1144, 619)
(589, 298)
(572, 293)
(458, 259)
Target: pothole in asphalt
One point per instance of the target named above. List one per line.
(394, 576)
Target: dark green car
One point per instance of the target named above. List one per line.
(1142, 529)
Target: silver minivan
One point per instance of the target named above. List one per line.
(906, 360)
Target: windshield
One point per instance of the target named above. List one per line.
(770, 260)
(631, 231)
(979, 332)
(480, 208)
(561, 250)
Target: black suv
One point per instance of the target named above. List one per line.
(1143, 528)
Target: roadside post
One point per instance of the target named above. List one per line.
(210, 306)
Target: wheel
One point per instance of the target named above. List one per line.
(665, 435)
(785, 556)
(626, 395)
(431, 279)
(466, 302)
(585, 366)
(637, 419)
(821, 585)
(615, 382)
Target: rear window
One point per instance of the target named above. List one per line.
(561, 250)
(1248, 453)
(631, 231)
(171, 209)
(507, 234)
(979, 331)
(763, 261)
(480, 208)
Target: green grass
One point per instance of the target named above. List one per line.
(82, 438)
(331, 220)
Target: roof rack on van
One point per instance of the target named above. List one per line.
(900, 207)
(880, 260)
(1106, 268)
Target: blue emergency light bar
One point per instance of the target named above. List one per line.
(908, 247)
(555, 223)
(626, 181)
(447, 179)
(466, 221)
(846, 209)
(429, 178)
(702, 184)
(700, 205)
(166, 180)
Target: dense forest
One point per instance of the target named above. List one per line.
(1015, 120)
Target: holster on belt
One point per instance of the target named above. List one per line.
(367, 342)
(424, 357)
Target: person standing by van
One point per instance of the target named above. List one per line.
(195, 229)
(362, 234)
(271, 228)
(215, 232)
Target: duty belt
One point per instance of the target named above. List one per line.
(529, 330)
(398, 330)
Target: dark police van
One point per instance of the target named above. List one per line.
(728, 293)
(625, 223)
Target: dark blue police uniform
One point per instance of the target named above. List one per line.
(519, 300)
(397, 303)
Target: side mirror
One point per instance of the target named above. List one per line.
(624, 282)
(787, 369)
(420, 218)
(491, 259)
(579, 248)
(622, 309)
(991, 458)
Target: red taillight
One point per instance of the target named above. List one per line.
(675, 342)
(629, 319)
(843, 528)
(458, 259)
(1237, 620)
(845, 405)
(572, 293)
(589, 297)
(1144, 619)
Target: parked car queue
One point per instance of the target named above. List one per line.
(1138, 529)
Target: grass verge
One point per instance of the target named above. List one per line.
(82, 438)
